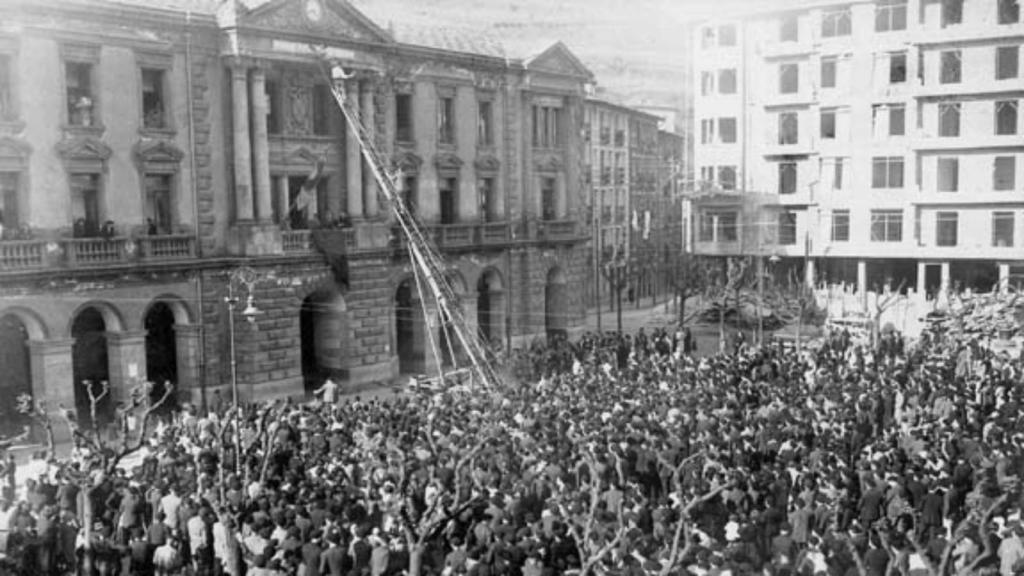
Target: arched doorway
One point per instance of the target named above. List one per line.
(556, 314)
(408, 329)
(323, 327)
(490, 307)
(89, 365)
(161, 348)
(16, 375)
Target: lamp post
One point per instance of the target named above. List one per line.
(247, 276)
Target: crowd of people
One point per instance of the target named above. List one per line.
(621, 455)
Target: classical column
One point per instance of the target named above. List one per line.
(260, 147)
(240, 133)
(367, 115)
(282, 198)
(1004, 277)
(944, 282)
(187, 341)
(127, 359)
(353, 155)
(922, 273)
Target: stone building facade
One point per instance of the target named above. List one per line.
(150, 150)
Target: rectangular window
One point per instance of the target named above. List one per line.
(897, 67)
(707, 177)
(949, 120)
(322, 103)
(707, 131)
(549, 198)
(789, 28)
(828, 72)
(546, 127)
(489, 208)
(403, 117)
(446, 120)
(717, 226)
(727, 177)
(727, 35)
(727, 130)
(275, 116)
(886, 226)
(789, 78)
(837, 174)
(948, 175)
(789, 128)
(836, 22)
(1007, 62)
(787, 228)
(80, 98)
(840, 225)
(887, 172)
(6, 88)
(727, 81)
(1009, 11)
(158, 203)
(153, 109)
(707, 37)
(897, 120)
(485, 124)
(952, 12)
(85, 204)
(1004, 173)
(727, 227)
(950, 61)
(828, 123)
(1002, 229)
(787, 178)
(947, 226)
(447, 189)
(9, 218)
(890, 15)
(1006, 117)
(409, 186)
(707, 83)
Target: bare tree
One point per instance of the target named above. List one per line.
(793, 303)
(37, 411)
(586, 526)
(682, 544)
(884, 301)
(690, 278)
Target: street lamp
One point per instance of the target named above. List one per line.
(615, 270)
(247, 276)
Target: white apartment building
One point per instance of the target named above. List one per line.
(866, 142)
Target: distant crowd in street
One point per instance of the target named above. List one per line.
(612, 455)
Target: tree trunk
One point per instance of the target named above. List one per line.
(416, 558)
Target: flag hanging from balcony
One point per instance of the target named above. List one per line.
(636, 221)
(647, 224)
(307, 194)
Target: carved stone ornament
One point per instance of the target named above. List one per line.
(408, 162)
(447, 162)
(14, 149)
(487, 163)
(333, 19)
(157, 152)
(85, 149)
(549, 163)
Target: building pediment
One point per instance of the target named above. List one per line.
(408, 162)
(335, 19)
(157, 152)
(559, 60)
(487, 163)
(83, 149)
(549, 163)
(14, 148)
(447, 161)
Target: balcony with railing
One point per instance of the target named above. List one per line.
(494, 233)
(170, 247)
(22, 254)
(454, 235)
(297, 241)
(95, 251)
(556, 230)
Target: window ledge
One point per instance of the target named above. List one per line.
(157, 132)
(11, 125)
(95, 130)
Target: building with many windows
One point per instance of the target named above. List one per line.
(151, 149)
(877, 141)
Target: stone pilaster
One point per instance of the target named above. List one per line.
(367, 110)
(127, 359)
(260, 146)
(187, 340)
(353, 156)
(240, 137)
(53, 379)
